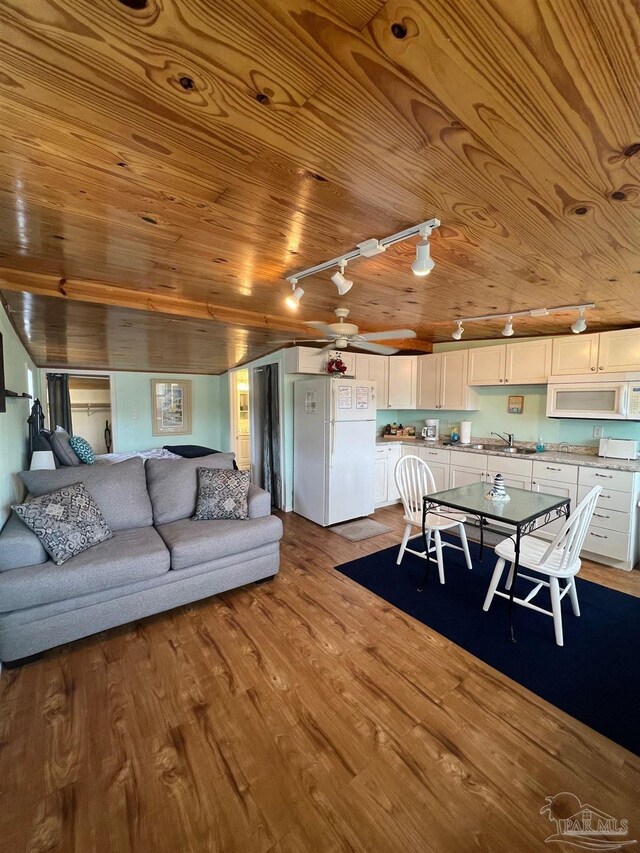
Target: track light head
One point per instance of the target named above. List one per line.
(508, 328)
(457, 334)
(343, 284)
(293, 300)
(580, 324)
(423, 263)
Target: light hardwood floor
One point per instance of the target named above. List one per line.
(300, 715)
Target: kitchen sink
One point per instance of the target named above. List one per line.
(524, 451)
(475, 446)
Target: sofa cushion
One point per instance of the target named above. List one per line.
(120, 490)
(60, 444)
(222, 494)
(129, 556)
(19, 546)
(192, 542)
(67, 521)
(173, 484)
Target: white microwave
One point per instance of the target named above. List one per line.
(616, 398)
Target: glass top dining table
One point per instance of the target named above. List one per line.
(525, 511)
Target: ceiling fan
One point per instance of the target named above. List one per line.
(341, 335)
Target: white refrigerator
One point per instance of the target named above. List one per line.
(334, 438)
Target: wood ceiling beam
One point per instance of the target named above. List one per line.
(83, 290)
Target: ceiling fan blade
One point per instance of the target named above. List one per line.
(295, 341)
(321, 327)
(390, 335)
(328, 348)
(379, 349)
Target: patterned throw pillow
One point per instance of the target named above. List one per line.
(222, 493)
(83, 449)
(67, 521)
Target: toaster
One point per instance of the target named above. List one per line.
(618, 448)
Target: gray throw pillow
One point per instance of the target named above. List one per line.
(62, 449)
(222, 494)
(67, 521)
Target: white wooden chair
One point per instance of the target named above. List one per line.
(414, 480)
(558, 560)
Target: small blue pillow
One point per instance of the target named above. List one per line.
(83, 449)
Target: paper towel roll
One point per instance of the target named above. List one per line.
(465, 432)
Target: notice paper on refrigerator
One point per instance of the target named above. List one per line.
(362, 396)
(345, 397)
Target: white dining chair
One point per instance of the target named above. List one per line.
(558, 560)
(414, 480)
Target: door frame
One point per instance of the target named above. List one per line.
(233, 409)
(253, 369)
(108, 374)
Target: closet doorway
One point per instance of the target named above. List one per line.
(83, 404)
(267, 470)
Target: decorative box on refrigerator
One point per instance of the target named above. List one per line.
(334, 436)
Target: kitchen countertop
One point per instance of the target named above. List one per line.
(558, 456)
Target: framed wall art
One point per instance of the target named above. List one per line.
(515, 404)
(171, 406)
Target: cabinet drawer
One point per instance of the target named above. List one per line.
(555, 471)
(469, 460)
(506, 465)
(621, 481)
(618, 501)
(606, 543)
(434, 454)
(620, 522)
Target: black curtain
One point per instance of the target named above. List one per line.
(271, 434)
(59, 401)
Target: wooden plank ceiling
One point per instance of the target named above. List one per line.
(174, 160)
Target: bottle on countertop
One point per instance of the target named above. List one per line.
(394, 428)
(540, 445)
(387, 429)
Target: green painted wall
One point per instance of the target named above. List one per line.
(13, 422)
(133, 425)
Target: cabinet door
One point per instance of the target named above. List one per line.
(619, 351)
(375, 368)
(460, 476)
(403, 371)
(393, 457)
(528, 363)
(429, 381)
(440, 473)
(518, 481)
(453, 379)
(486, 365)
(349, 359)
(574, 354)
(552, 487)
(380, 480)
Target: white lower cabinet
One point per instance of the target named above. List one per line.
(461, 476)
(384, 479)
(552, 487)
(438, 461)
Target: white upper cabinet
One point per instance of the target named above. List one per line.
(528, 363)
(429, 371)
(312, 360)
(619, 351)
(375, 368)
(442, 382)
(575, 354)
(486, 365)
(403, 381)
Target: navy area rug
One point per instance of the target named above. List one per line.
(594, 677)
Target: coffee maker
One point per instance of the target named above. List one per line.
(431, 432)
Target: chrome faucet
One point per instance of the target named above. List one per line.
(509, 437)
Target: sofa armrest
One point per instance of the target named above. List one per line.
(259, 502)
(19, 546)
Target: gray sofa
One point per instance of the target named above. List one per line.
(157, 559)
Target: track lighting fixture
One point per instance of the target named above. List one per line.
(508, 327)
(580, 324)
(458, 332)
(343, 284)
(293, 300)
(422, 265)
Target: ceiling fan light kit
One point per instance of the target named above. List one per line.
(341, 335)
(578, 326)
(422, 266)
